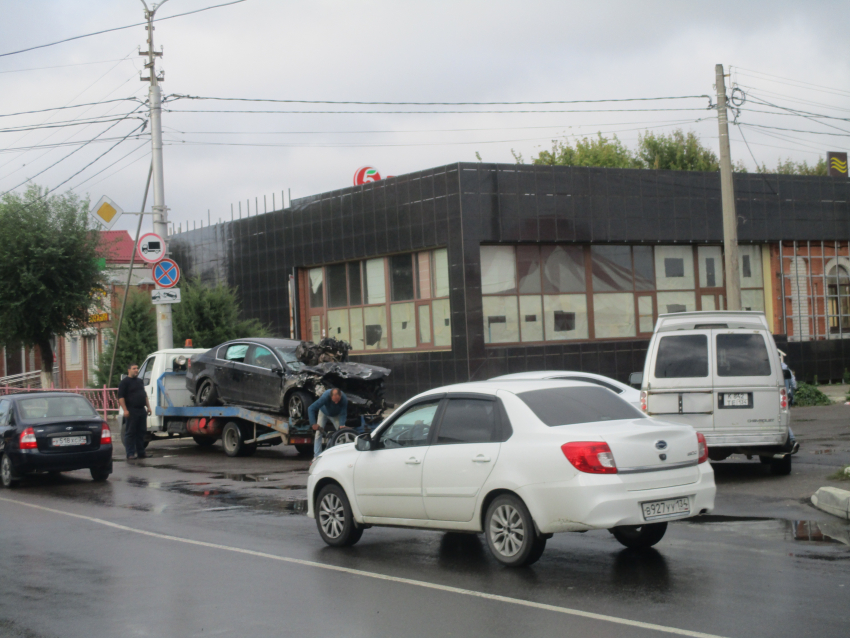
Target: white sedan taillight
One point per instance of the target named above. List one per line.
(702, 448)
(591, 457)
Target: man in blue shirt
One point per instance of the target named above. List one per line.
(332, 407)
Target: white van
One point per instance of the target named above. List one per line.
(721, 373)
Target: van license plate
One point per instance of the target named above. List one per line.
(670, 507)
(736, 399)
(67, 441)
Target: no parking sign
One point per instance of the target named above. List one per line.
(166, 274)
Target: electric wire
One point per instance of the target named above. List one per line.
(66, 124)
(62, 66)
(428, 112)
(23, 149)
(106, 168)
(789, 81)
(129, 26)
(342, 102)
(73, 106)
(76, 150)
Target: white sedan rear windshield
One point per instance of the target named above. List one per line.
(567, 406)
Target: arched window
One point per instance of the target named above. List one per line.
(838, 294)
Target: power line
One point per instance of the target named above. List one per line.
(106, 168)
(62, 66)
(93, 120)
(795, 130)
(430, 112)
(129, 26)
(73, 106)
(34, 147)
(447, 130)
(75, 151)
(245, 99)
(790, 81)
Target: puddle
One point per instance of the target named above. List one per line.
(246, 478)
(822, 451)
(833, 532)
(283, 487)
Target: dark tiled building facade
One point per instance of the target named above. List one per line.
(464, 206)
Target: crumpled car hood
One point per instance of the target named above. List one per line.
(348, 370)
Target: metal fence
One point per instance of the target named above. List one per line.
(105, 400)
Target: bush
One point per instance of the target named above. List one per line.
(808, 395)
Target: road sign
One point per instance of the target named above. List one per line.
(151, 248)
(165, 296)
(365, 175)
(106, 212)
(166, 274)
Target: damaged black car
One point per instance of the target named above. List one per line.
(286, 376)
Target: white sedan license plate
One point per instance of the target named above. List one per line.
(66, 441)
(670, 507)
(736, 399)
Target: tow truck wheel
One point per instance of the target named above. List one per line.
(207, 394)
(231, 439)
(204, 441)
(304, 449)
(297, 405)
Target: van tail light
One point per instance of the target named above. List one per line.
(591, 457)
(702, 448)
(28, 441)
(105, 435)
(643, 398)
(783, 399)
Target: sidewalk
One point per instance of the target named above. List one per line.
(836, 391)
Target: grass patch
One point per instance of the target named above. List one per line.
(809, 395)
(841, 475)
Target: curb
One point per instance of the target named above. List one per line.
(833, 501)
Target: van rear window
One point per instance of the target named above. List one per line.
(682, 356)
(568, 406)
(742, 355)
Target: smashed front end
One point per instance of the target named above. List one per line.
(362, 384)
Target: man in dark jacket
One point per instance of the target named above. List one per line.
(331, 407)
(134, 402)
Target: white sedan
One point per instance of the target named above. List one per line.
(626, 392)
(519, 461)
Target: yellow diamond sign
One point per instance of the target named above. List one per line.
(106, 212)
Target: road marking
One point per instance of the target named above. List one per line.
(377, 576)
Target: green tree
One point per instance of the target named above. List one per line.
(138, 339)
(589, 151)
(790, 167)
(209, 315)
(49, 269)
(678, 151)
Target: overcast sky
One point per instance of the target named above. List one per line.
(789, 54)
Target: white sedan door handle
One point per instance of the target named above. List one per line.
(412, 461)
(481, 459)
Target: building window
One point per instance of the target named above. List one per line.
(388, 303)
(838, 294)
(543, 293)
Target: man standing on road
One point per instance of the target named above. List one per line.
(134, 402)
(331, 407)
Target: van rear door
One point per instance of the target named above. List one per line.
(746, 388)
(678, 378)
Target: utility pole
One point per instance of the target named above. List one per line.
(727, 198)
(164, 334)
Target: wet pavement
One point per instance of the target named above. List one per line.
(765, 563)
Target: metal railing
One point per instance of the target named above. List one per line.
(24, 380)
(105, 400)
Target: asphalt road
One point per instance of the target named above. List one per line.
(191, 543)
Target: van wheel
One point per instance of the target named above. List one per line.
(639, 536)
(7, 473)
(510, 532)
(781, 467)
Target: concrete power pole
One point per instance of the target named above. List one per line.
(164, 334)
(727, 197)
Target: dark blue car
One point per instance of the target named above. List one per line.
(52, 432)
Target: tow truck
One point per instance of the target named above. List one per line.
(240, 429)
